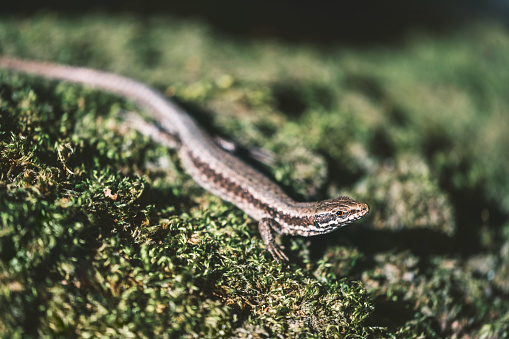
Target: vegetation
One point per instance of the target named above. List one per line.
(102, 233)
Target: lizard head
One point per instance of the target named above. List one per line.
(333, 213)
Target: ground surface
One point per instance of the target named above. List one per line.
(103, 234)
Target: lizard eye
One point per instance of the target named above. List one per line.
(339, 214)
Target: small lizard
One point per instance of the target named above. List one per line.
(212, 167)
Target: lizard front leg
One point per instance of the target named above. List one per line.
(266, 227)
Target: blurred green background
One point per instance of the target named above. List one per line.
(400, 105)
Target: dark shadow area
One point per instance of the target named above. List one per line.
(381, 144)
(289, 100)
(366, 85)
(340, 173)
(469, 202)
(319, 21)
(390, 314)
(294, 99)
(420, 242)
